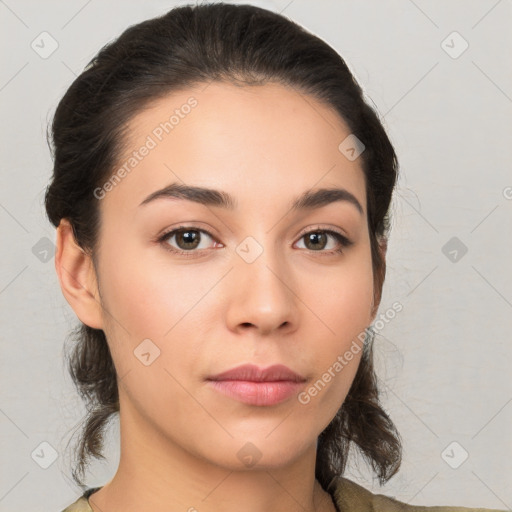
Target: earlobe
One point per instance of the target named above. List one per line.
(77, 277)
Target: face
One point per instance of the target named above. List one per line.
(255, 282)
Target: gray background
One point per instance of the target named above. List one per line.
(444, 361)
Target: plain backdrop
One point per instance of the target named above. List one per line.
(439, 75)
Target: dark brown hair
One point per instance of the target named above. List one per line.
(190, 45)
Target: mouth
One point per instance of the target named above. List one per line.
(256, 386)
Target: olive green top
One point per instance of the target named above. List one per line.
(347, 495)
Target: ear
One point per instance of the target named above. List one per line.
(380, 274)
(77, 277)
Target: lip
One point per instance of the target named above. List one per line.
(258, 386)
(251, 372)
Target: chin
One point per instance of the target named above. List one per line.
(261, 452)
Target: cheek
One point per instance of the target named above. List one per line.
(180, 306)
(145, 299)
(152, 321)
(343, 303)
(343, 298)
(347, 300)
(150, 295)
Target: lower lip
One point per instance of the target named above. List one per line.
(257, 393)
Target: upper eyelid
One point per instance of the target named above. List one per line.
(173, 231)
(338, 231)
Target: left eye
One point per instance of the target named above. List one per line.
(317, 238)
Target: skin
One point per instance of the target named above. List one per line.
(301, 307)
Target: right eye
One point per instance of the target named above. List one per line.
(187, 238)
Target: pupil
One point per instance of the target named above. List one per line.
(315, 237)
(189, 238)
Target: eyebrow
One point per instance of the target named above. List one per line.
(207, 196)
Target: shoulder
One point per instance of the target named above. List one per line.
(81, 504)
(351, 496)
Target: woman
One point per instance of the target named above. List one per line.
(221, 194)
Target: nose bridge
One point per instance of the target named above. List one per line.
(264, 290)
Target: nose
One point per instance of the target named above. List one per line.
(262, 296)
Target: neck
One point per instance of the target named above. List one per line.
(158, 475)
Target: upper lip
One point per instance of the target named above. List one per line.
(251, 372)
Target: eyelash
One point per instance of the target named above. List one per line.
(162, 240)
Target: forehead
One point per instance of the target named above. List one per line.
(263, 143)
